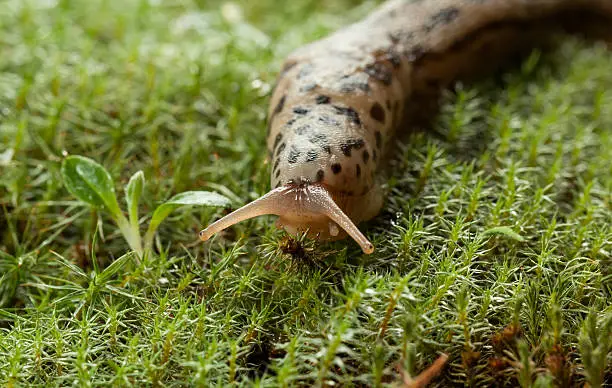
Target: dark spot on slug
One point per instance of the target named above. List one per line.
(290, 122)
(444, 16)
(374, 155)
(276, 164)
(358, 143)
(277, 174)
(320, 175)
(321, 140)
(351, 82)
(415, 53)
(298, 110)
(378, 112)
(321, 99)
(394, 37)
(294, 153)
(379, 72)
(329, 120)
(393, 57)
(278, 184)
(346, 149)
(349, 112)
(351, 144)
(390, 55)
(318, 138)
(279, 106)
(336, 168)
(280, 149)
(358, 170)
(302, 129)
(366, 156)
(378, 138)
(400, 36)
(276, 141)
(311, 155)
(348, 87)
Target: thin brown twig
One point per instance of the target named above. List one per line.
(426, 376)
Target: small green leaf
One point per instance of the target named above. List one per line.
(133, 192)
(188, 198)
(505, 231)
(90, 183)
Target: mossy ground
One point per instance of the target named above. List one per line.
(179, 90)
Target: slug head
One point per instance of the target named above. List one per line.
(302, 208)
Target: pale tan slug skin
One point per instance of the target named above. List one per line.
(339, 101)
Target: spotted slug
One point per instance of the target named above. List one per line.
(340, 101)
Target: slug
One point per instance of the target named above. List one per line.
(339, 101)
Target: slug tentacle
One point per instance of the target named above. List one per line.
(267, 204)
(306, 208)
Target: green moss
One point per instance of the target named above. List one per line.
(494, 244)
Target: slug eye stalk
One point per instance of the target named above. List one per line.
(300, 208)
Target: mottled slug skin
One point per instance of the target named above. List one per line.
(338, 101)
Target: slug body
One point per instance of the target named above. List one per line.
(339, 101)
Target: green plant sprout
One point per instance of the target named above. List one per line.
(90, 183)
